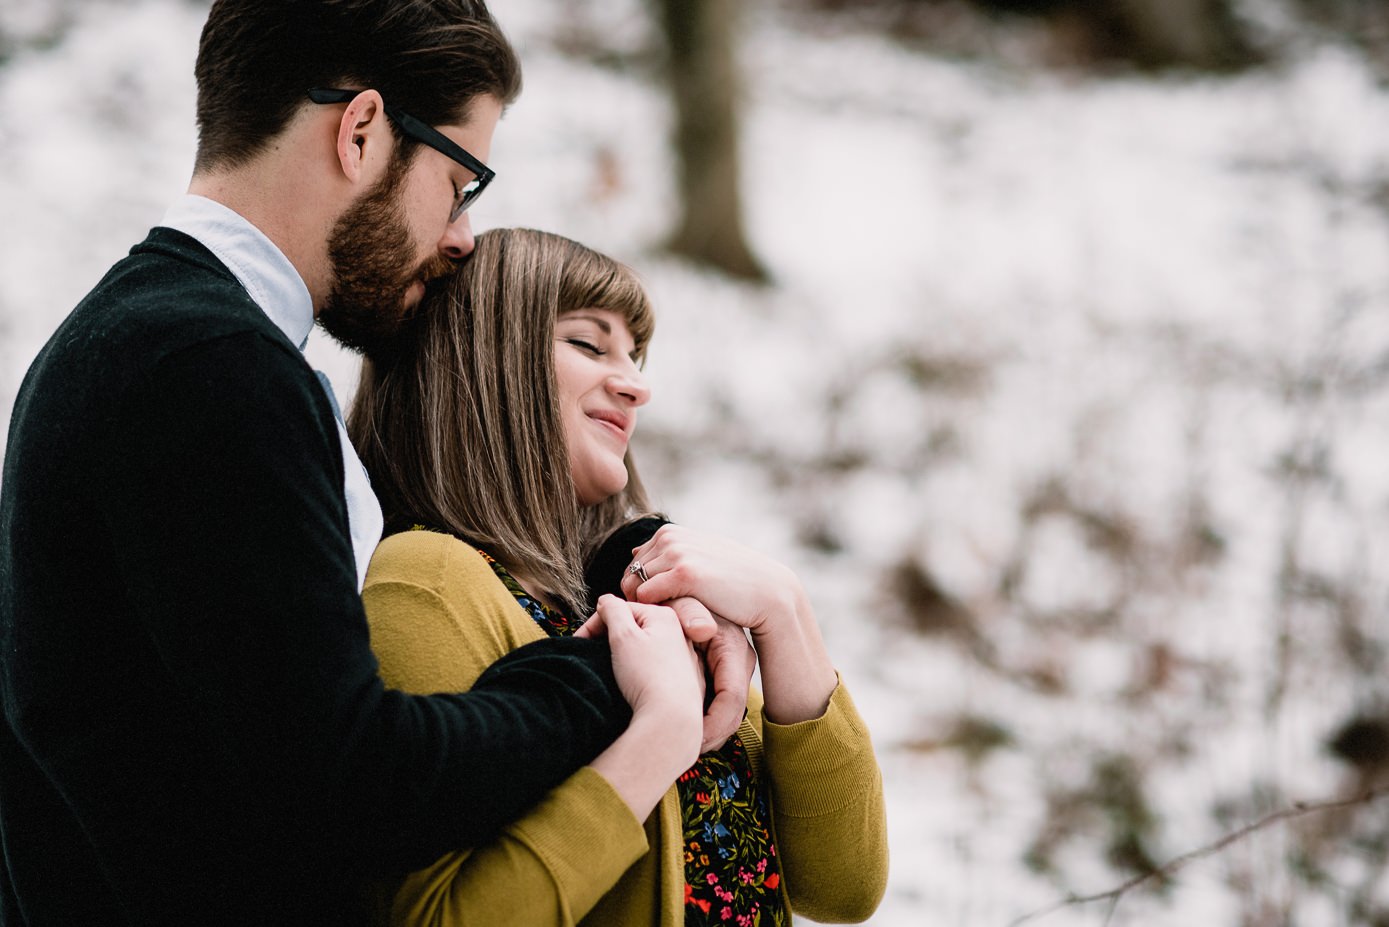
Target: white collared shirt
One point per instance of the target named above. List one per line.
(280, 292)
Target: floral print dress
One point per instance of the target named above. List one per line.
(732, 873)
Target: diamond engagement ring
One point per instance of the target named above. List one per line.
(639, 570)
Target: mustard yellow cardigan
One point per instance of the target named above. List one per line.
(439, 616)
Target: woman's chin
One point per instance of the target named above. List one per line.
(596, 494)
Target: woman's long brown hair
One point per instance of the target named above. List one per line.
(459, 423)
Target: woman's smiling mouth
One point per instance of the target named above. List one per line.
(614, 421)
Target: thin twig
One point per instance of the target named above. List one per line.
(1164, 871)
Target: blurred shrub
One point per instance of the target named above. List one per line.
(1205, 35)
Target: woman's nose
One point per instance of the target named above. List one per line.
(632, 385)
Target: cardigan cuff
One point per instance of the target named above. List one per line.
(819, 766)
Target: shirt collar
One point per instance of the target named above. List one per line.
(253, 259)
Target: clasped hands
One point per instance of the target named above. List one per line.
(682, 631)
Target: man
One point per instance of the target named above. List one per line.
(193, 728)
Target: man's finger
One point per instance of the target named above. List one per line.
(695, 619)
(722, 719)
(731, 661)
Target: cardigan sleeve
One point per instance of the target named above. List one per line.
(224, 495)
(438, 616)
(828, 811)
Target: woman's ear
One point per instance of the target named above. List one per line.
(364, 138)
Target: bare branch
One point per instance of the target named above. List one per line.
(1113, 895)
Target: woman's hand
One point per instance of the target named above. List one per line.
(735, 582)
(656, 667)
(752, 591)
(662, 678)
(729, 661)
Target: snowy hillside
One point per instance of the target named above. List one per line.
(1069, 401)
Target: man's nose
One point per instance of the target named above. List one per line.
(458, 241)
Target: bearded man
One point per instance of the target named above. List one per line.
(193, 728)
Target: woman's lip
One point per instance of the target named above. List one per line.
(611, 422)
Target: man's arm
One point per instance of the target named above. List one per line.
(439, 616)
(226, 503)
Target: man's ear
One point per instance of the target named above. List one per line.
(364, 138)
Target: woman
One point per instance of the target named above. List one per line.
(496, 436)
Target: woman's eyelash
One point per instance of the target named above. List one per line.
(586, 346)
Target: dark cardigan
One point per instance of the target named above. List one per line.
(194, 731)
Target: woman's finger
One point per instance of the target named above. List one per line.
(664, 584)
(648, 616)
(592, 627)
(614, 616)
(650, 563)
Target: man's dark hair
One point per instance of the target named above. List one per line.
(258, 58)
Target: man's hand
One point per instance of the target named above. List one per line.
(729, 659)
(698, 622)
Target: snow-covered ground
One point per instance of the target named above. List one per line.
(1070, 402)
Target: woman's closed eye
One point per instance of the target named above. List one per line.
(586, 346)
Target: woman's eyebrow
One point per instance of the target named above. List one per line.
(601, 322)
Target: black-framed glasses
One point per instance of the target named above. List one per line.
(425, 134)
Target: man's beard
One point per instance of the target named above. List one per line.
(370, 257)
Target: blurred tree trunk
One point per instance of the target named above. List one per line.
(1198, 33)
(703, 78)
